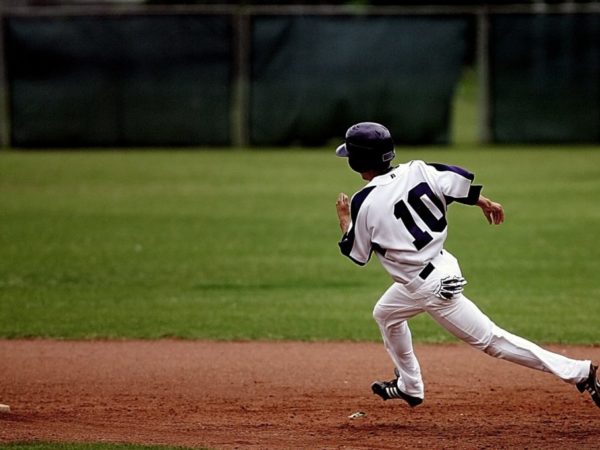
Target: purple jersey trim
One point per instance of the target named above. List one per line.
(458, 170)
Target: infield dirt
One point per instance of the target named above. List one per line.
(283, 395)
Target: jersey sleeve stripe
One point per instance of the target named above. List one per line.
(470, 199)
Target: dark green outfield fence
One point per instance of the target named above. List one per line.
(545, 78)
(200, 75)
(85, 81)
(312, 76)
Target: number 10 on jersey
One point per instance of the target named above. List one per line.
(415, 200)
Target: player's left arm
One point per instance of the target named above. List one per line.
(493, 211)
(456, 185)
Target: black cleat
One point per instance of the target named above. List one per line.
(592, 385)
(388, 390)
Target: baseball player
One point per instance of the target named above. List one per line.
(400, 216)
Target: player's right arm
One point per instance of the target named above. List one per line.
(356, 241)
(493, 212)
(342, 206)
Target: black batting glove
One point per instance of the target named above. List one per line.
(450, 287)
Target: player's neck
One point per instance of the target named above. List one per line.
(370, 174)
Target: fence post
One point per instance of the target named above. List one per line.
(4, 93)
(483, 77)
(241, 79)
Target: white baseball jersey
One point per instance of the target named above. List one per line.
(401, 216)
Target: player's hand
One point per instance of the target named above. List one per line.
(493, 212)
(450, 286)
(342, 205)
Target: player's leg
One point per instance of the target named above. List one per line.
(461, 317)
(465, 320)
(391, 312)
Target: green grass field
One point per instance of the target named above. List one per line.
(243, 245)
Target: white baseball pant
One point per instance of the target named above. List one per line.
(461, 317)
